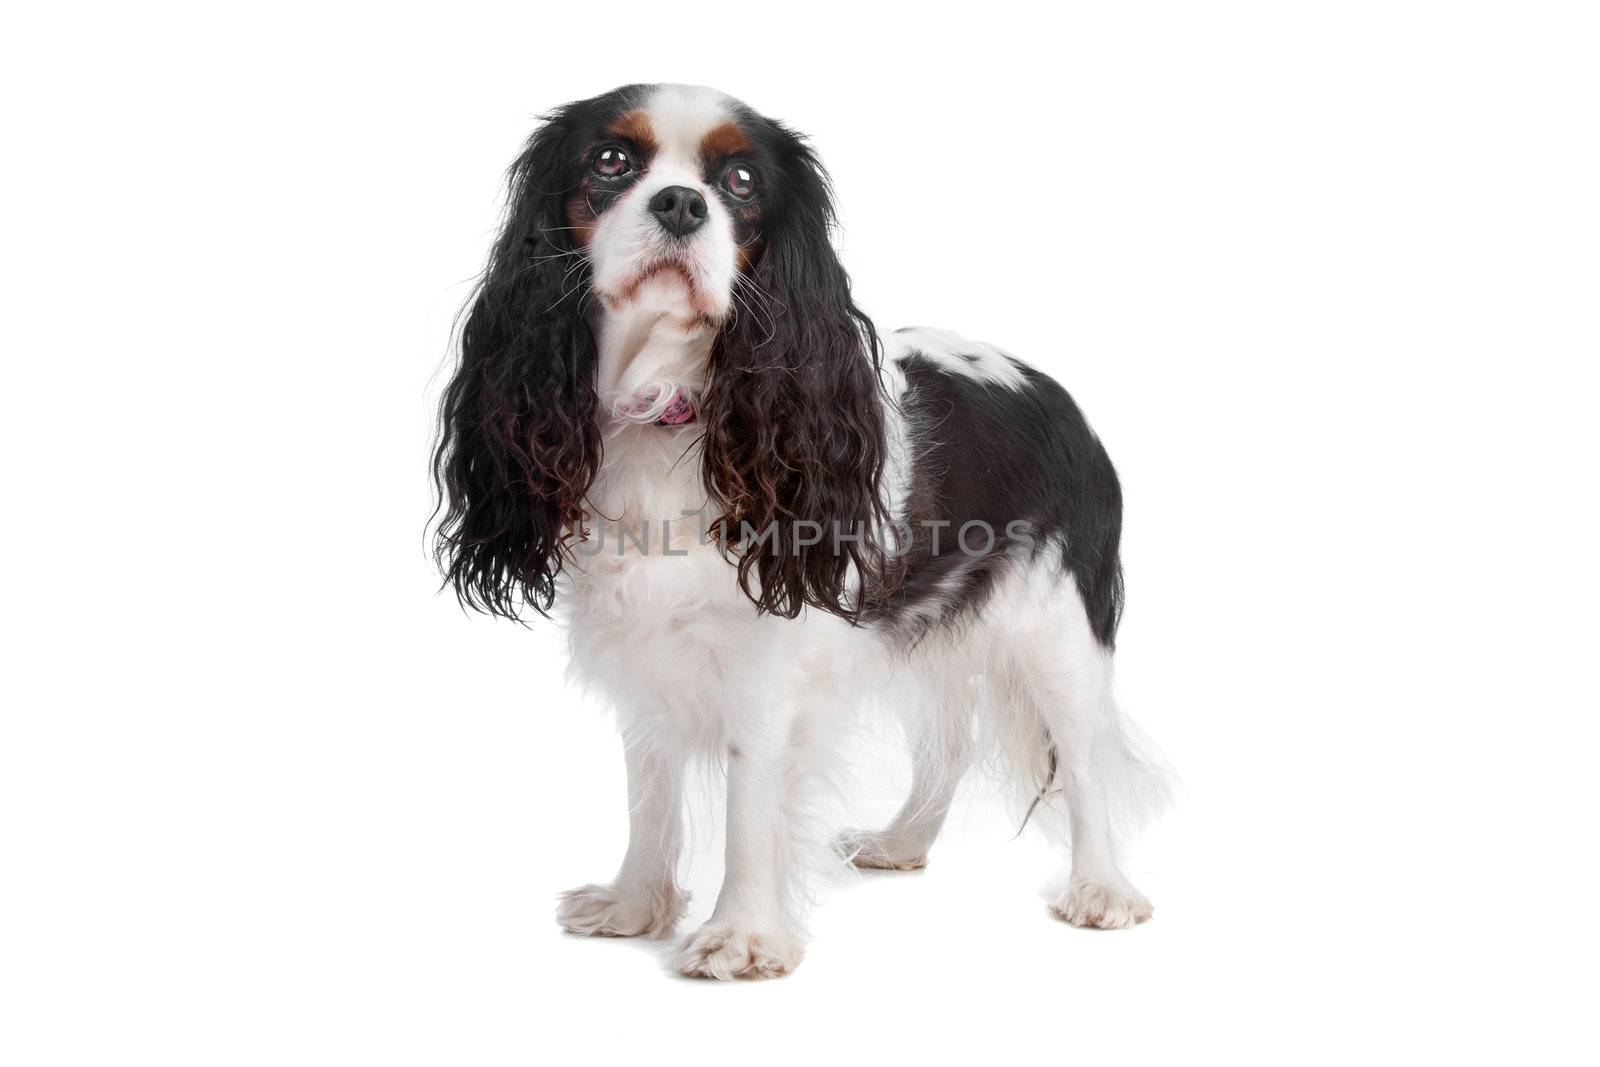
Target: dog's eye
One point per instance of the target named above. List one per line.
(612, 162)
(740, 181)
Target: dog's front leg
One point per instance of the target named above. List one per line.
(645, 899)
(750, 933)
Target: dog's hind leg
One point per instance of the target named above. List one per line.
(1058, 670)
(938, 723)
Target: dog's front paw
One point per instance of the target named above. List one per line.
(879, 851)
(1085, 903)
(622, 911)
(729, 950)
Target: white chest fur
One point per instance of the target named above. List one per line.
(655, 615)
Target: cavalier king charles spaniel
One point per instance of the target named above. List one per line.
(672, 428)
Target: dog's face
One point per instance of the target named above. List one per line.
(672, 181)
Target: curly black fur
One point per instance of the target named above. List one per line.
(794, 416)
(517, 445)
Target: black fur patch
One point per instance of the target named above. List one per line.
(986, 453)
(517, 446)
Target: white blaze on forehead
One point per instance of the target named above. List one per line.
(680, 118)
(690, 277)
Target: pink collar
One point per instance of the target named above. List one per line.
(680, 410)
(663, 404)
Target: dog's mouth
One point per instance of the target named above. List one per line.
(666, 281)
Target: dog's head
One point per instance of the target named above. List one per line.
(679, 211)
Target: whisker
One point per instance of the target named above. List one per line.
(580, 286)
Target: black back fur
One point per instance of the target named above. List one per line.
(987, 453)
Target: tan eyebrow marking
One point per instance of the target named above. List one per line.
(723, 141)
(635, 126)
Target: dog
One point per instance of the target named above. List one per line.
(672, 428)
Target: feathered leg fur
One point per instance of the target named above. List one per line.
(644, 900)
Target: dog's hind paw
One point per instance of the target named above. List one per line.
(879, 851)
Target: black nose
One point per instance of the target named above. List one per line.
(679, 209)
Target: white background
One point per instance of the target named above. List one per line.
(1324, 278)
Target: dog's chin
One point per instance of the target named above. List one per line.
(666, 288)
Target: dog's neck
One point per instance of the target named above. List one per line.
(652, 349)
(655, 341)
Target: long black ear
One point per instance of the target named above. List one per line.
(794, 434)
(517, 445)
